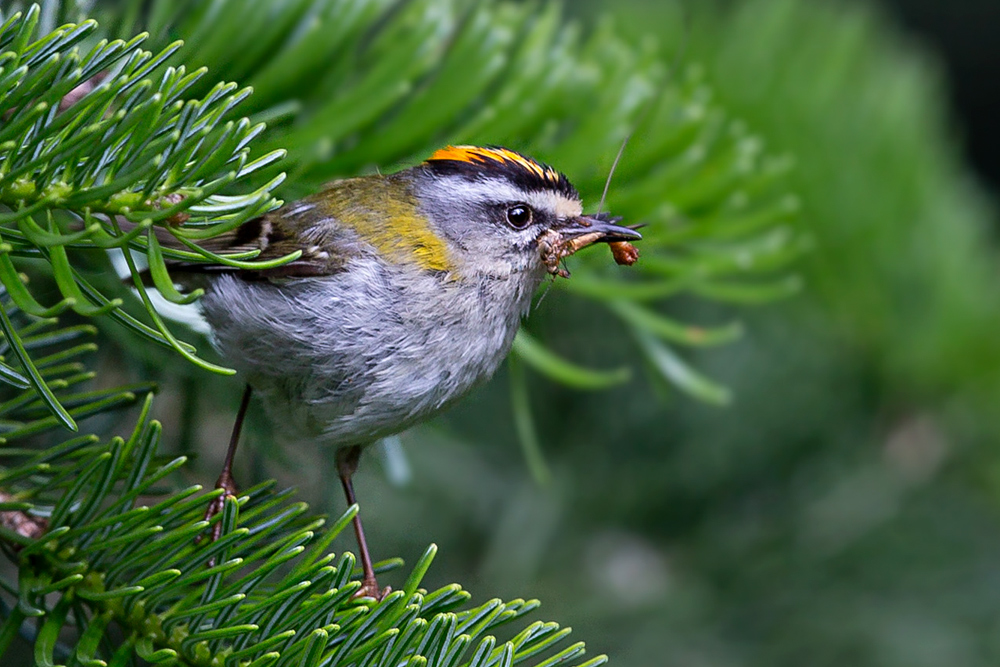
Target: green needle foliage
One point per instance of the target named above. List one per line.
(101, 142)
(99, 172)
(109, 568)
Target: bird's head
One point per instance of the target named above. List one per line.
(504, 214)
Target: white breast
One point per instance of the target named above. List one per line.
(353, 357)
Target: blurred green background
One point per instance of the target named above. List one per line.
(845, 508)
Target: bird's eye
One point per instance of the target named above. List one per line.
(519, 216)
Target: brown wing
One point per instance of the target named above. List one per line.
(376, 216)
(305, 225)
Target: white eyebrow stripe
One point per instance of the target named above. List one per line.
(493, 189)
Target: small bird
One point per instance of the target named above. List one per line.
(408, 293)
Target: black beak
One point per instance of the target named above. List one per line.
(567, 236)
(586, 230)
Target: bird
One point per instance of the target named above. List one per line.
(407, 292)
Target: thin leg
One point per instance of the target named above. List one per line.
(347, 464)
(225, 480)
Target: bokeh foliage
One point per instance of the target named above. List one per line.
(843, 509)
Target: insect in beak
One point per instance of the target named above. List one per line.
(570, 235)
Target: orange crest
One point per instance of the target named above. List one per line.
(479, 155)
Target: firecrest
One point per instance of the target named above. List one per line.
(408, 293)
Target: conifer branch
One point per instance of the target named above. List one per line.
(100, 143)
(102, 549)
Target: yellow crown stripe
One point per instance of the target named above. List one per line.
(481, 155)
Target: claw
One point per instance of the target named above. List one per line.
(226, 483)
(370, 589)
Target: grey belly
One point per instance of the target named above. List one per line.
(346, 359)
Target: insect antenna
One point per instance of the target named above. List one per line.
(614, 165)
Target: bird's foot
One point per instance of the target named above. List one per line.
(226, 483)
(369, 589)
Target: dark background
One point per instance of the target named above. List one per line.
(964, 33)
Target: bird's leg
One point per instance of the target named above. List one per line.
(347, 464)
(225, 480)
